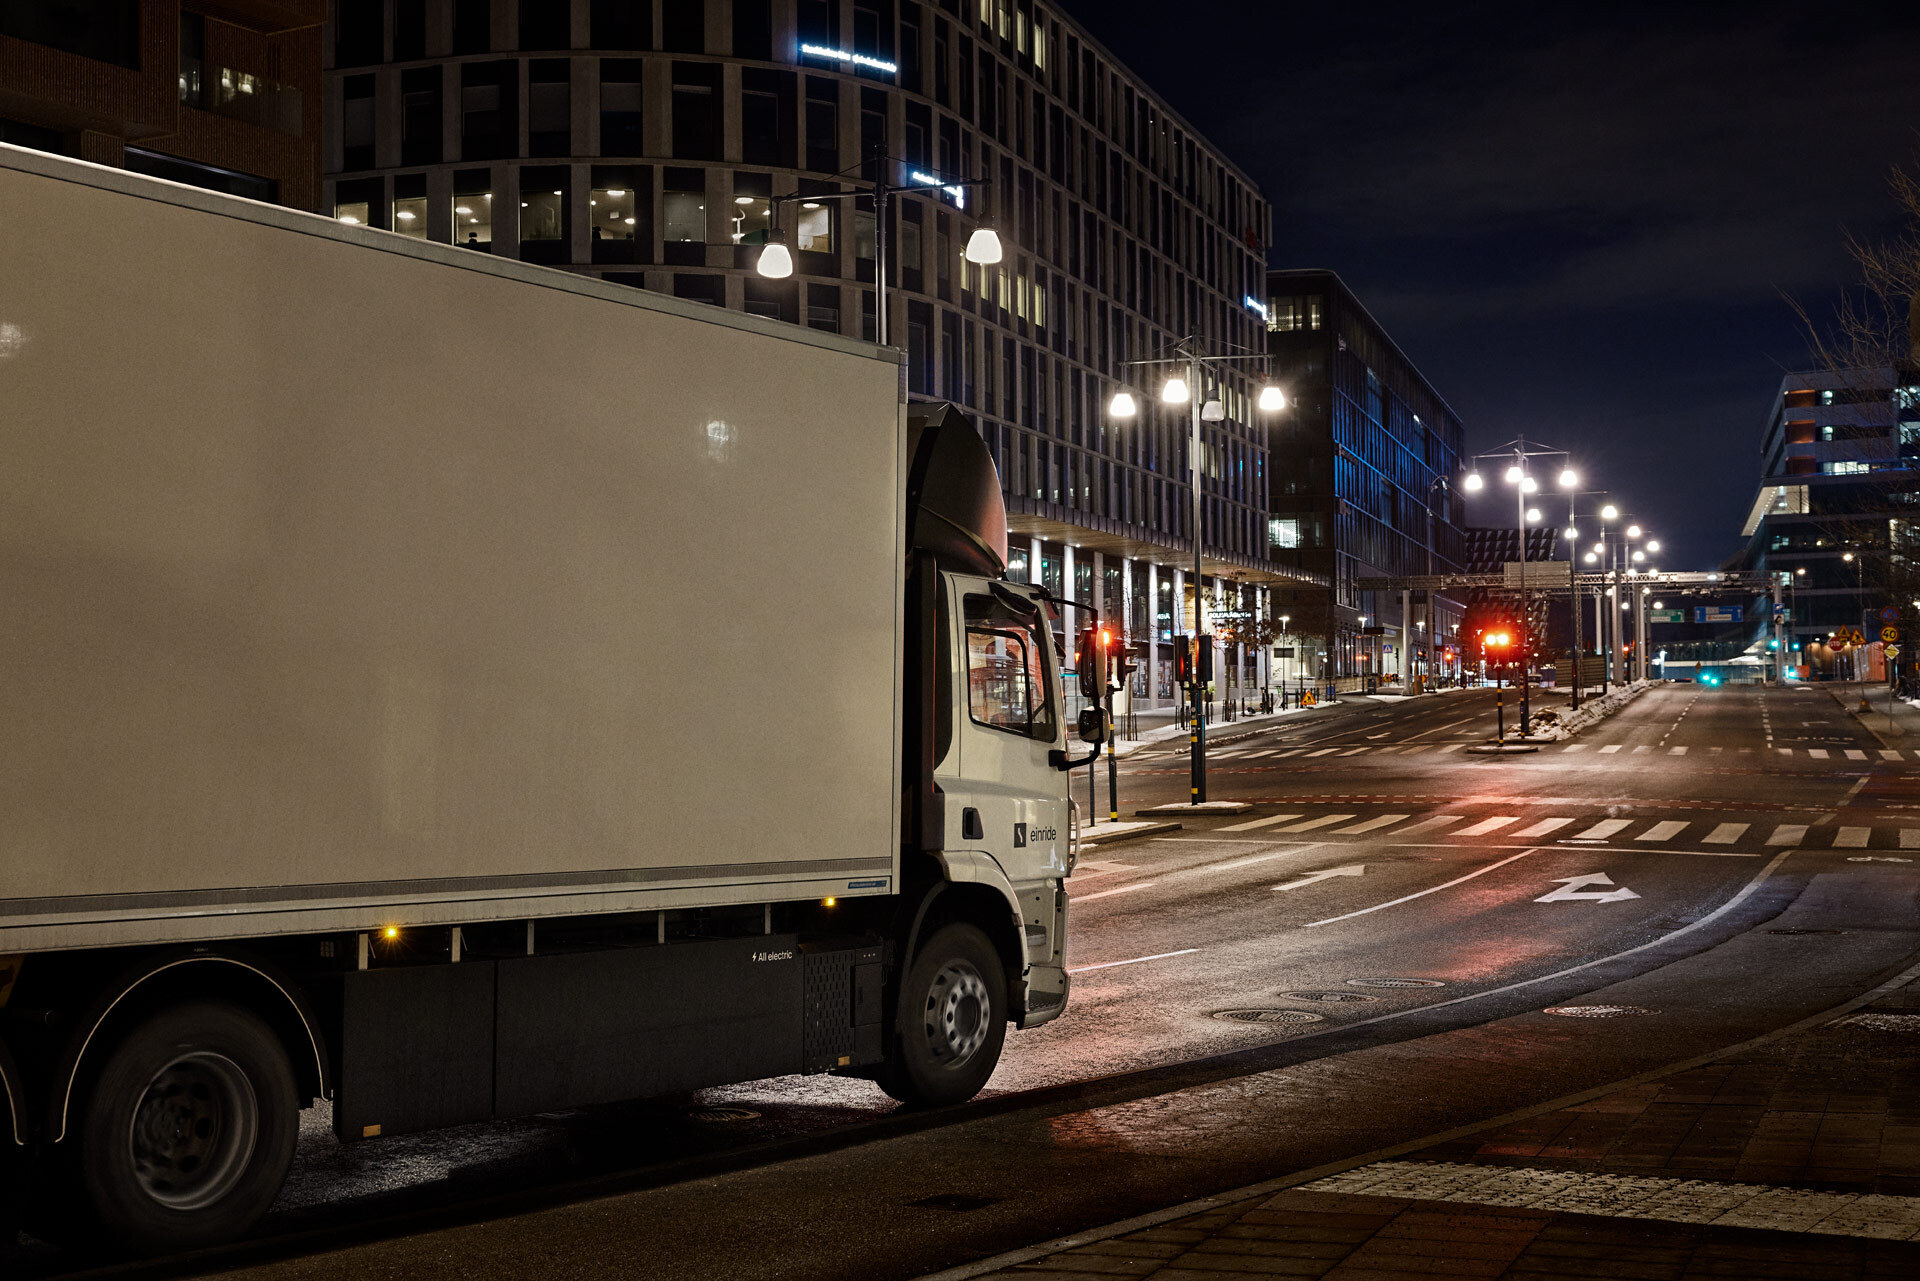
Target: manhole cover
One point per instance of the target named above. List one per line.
(1596, 1011)
(1793, 931)
(1395, 983)
(720, 1116)
(1266, 1016)
(1330, 998)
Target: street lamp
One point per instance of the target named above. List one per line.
(1179, 389)
(1520, 451)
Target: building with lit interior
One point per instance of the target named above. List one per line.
(659, 145)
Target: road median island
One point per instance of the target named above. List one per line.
(1591, 713)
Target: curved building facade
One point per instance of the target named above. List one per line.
(648, 143)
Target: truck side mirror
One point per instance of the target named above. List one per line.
(1093, 725)
(1090, 661)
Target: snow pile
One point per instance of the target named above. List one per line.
(1553, 724)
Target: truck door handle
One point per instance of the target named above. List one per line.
(970, 828)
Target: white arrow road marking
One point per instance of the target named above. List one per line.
(1121, 889)
(1570, 890)
(1351, 869)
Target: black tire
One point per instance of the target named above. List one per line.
(951, 1022)
(188, 1129)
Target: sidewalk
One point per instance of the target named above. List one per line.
(1798, 1158)
(1902, 724)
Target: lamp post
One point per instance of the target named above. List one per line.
(1523, 484)
(1572, 536)
(1433, 624)
(1187, 355)
(983, 246)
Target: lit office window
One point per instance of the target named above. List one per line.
(686, 213)
(1283, 533)
(473, 218)
(752, 217)
(354, 214)
(815, 229)
(410, 217)
(611, 209)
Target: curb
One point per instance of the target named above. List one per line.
(1132, 830)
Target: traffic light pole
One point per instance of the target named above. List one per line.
(1199, 733)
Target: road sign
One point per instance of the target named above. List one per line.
(1893, 651)
(1889, 634)
(1570, 890)
(1666, 616)
(1891, 614)
(1779, 612)
(1717, 613)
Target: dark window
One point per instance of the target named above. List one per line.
(472, 26)
(873, 133)
(683, 26)
(549, 109)
(696, 111)
(909, 58)
(420, 116)
(409, 30)
(823, 307)
(622, 24)
(356, 124)
(700, 288)
(819, 22)
(38, 137)
(231, 181)
(193, 60)
(356, 32)
(683, 207)
(620, 98)
(766, 117)
(823, 125)
(753, 29)
(543, 214)
(489, 115)
(543, 25)
(774, 299)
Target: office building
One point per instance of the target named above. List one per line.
(223, 94)
(1360, 487)
(659, 145)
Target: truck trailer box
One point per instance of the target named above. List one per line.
(348, 580)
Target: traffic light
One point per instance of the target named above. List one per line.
(1124, 665)
(1183, 660)
(1090, 661)
(1205, 676)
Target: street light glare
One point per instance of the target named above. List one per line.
(1514, 474)
(1528, 485)
(1213, 411)
(1472, 483)
(776, 263)
(1122, 406)
(1653, 544)
(1533, 515)
(983, 247)
(1633, 531)
(1591, 557)
(1272, 399)
(1569, 478)
(1571, 534)
(1609, 512)
(1175, 392)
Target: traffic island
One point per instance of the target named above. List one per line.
(1503, 749)
(1200, 809)
(1109, 833)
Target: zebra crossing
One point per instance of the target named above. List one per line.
(1721, 836)
(1752, 755)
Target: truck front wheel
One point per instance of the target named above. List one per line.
(189, 1128)
(952, 1020)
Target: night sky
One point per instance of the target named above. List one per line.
(1577, 220)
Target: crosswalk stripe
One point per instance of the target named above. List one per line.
(1439, 820)
(1604, 828)
(1676, 751)
(1371, 825)
(1574, 747)
(1855, 755)
(1785, 751)
(1852, 838)
(1269, 821)
(1910, 838)
(1388, 751)
(1451, 747)
(1544, 826)
(1818, 753)
(1662, 831)
(1715, 751)
(1889, 754)
(1227, 756)
(1486, 825)
(1788, 834)
(1642, 748)
(1323, 821)
(1727, 833)
(1355, 751)
(1323, 751)
(1293, 751)
(1418, 747)
(1611, 747)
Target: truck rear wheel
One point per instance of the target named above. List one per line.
(189, 1128)
(952, 1020)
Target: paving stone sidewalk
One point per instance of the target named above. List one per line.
(1816, 1135)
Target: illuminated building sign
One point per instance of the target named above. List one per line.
(959, 194)
(850, 59)
(1257, 308)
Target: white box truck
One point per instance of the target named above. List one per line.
(457, 689)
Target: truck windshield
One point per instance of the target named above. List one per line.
(1007, 685)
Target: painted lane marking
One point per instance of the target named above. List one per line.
(1854, 754)
(1371, 825)
(1818, 753)
(1417, 747)
(1258, 823)
(1604, 828)
(1120, 889)
(1642, 748)
(1408, 898)
(1157, 956)
(1727, 833)
(1570, 891)
(1486, 825)
(1101, 867)
(1662, 831)
(1355, 751)
(1543, 827)
(1235, 864)
(1324, 820)
(1852, 838)
(1788, 834)
(1889, 754)
(1438, 820)
(1323, 751)
(1784, 751)
(1676, 751)
(1575, 747)
(1292, 751)
(1437, 728)
(1611, 747)
(1910, 838)
(1312, 878)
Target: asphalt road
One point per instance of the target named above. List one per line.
(1386, 888)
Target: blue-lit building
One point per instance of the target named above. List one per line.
(1360, 487)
